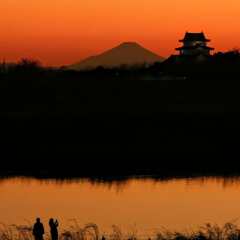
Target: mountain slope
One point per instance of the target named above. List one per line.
(128, 53)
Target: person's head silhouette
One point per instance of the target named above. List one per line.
(38, 220)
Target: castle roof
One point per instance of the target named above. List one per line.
(194, 47)
(194, 37)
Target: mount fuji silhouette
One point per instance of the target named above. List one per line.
(127, 53)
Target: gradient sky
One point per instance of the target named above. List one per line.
(59, 32)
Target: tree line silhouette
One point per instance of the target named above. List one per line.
(118, 121)
(219, 65)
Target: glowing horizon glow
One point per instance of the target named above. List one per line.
(59, 32)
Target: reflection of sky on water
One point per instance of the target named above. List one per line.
(143, 204)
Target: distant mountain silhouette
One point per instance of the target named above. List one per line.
(127, 53)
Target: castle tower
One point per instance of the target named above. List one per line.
(194, 44)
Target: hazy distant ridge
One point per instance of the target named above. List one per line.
(128, 53)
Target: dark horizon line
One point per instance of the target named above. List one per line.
(4, 59)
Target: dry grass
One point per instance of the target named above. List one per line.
(228, 231)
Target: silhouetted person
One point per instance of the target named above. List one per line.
(53, 229)
(103, 238)
(38, 230)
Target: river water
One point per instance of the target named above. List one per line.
(136, 205)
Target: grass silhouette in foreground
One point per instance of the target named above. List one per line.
(229, 231)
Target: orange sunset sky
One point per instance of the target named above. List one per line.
(59, 32)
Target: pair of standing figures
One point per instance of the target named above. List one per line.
(38, 229)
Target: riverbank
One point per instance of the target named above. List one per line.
(75, 127)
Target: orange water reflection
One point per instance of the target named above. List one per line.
(146, 205)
